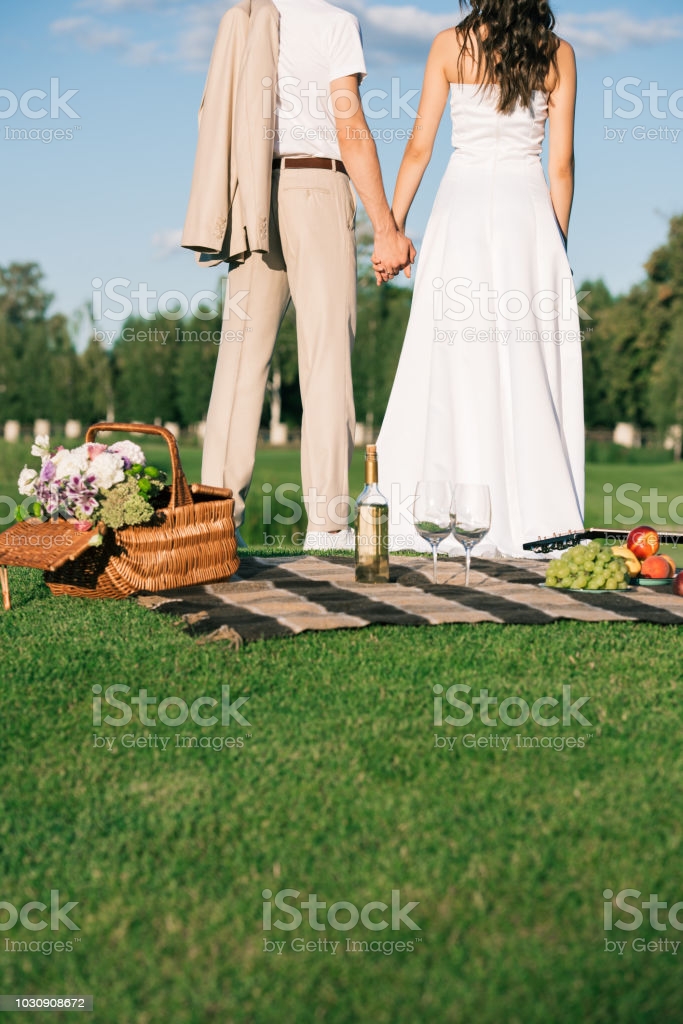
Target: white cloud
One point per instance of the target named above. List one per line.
(166, 243)
(102, 6)
(611, 31)
(144, 54)
(196, 40)
(397, 35)
(190, 49)
(69, 24)
(89, 34)
(405, 33)
(95, 35)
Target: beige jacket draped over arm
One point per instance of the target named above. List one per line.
(228, 212)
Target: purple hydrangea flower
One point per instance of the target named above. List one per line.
(48, 471)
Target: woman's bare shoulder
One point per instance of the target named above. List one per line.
(447, 50)
(564, 66)
(565, 51)
(447, 41)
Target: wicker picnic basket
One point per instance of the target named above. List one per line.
(190, 541)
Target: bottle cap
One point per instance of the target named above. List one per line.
(371, 468)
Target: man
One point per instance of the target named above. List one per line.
(272, 196)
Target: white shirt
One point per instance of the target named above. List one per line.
(318, 44)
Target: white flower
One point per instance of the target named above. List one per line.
(130, 451)
(27, 481)
(81, 455)
(41, 446)
(107, 469)
(70, 463)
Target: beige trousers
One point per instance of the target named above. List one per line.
(312, 260)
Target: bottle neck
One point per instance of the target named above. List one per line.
(371, 476)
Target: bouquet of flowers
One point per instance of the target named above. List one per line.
(94, 483)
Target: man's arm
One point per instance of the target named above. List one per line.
(359, 155)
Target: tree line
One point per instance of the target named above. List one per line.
(633, 354)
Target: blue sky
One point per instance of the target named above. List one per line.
(110, 201)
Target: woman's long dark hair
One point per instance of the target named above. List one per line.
(516, 49)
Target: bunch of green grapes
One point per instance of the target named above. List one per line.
(588, 567)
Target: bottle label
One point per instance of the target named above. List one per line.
(372, 533)
(372, 543)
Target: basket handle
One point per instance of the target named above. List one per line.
(180, 489)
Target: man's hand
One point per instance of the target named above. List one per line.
(394, 252)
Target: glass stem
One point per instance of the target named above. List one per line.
(434, 553)
(468, 556)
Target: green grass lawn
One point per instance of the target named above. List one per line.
(339, 790)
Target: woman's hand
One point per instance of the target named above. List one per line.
(386, 268)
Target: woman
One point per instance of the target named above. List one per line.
(489, 384)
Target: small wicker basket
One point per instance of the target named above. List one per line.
(190, 541)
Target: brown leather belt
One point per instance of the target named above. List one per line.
(321, 163)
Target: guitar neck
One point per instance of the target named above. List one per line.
(569, 540)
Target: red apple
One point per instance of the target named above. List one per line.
(643, 542)
(677, 585)
(656, 568)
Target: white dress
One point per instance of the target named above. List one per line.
(489, 385)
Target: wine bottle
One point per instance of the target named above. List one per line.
(372, 526)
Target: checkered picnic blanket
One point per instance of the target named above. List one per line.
(284, 596)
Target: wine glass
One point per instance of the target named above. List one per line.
(470, 518)
(431, 511)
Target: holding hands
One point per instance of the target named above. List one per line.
(394, 252)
